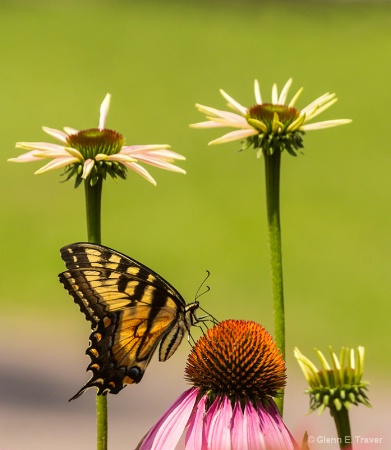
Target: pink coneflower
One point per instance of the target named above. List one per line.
(235, 370)
(97, 152)
(269, 125)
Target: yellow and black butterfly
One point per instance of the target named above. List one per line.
(132, 309)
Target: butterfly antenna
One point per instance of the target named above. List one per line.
(207, 288)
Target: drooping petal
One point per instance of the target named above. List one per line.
(218, 424)
(167, 155)
(195, 436)
(166, 433)
(275, 433)
(157, 162)
(246, 430)
(141, 171)
(56, 164)
(87, 168)
(234, 136)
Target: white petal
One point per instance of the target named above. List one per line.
(168, 155)
(284, 92)
(26, 157)
(136, 148)
(69, 131)
(209, 124)
(234, 136)
(318, 102)
(56, 164)
(257, 92)
(317, 111)
(325, 124)
(274, 94)
(148, 159)
(41, 146)
(217, 113)
(104, 109)
(141, 171)
(87, 167)
(233, 103)
(57, 134)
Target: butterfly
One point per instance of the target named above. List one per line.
(132, 310)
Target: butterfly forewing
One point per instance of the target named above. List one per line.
(132, 310)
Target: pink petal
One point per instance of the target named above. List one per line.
(26, 157)
(43, 146)
(57, 134)
(87, 167)
(274, 430)
(168, 155)
(141, 171)
(153, 161)
(234, 136)
(217, 425)
(56, 164)
(195, 436)
(166, 433)
(141, 148)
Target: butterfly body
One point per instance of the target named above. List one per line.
(132, 310)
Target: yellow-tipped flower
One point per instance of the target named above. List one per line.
(338, 385)
(269, 125)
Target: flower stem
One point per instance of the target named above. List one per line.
(272, 178)
(93, 196)
(342, 423)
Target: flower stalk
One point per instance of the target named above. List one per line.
(270, 128)
(93, 199)
(272, 179)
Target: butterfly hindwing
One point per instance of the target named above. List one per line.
(132, 310)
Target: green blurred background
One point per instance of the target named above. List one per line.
(157, 59)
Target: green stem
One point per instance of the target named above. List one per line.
(342, 423)
(272, 177)
(93, 196)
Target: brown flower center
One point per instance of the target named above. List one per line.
(265, 112)
(93, 141)
(239, 359)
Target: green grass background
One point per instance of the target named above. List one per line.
(157, 59)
